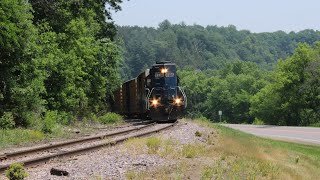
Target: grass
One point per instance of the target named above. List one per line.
(265, 158)
(19, 136)
(231, 154)
(163, 173)
(153, 145)
(49, 129)
(135, 146)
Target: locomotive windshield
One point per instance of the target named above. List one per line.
(164, 76)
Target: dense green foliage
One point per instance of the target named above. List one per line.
(16, 172)
(293, 97)
(56, 56)
(289, 95)
(7, 121)
(228, 89)
(202, 48)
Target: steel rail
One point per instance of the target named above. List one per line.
(66, 143)
(79, 150)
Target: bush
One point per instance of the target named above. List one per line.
(110, 118)
(202, 118)
(315, 124)
(258, 122)
(33, 120)
(49, 121)
(16, 172)
(65, 118)
(7, 121)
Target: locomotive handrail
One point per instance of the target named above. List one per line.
(148, 96)
(184, 96)
(147, 101)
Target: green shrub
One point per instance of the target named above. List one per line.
(7, 121)
(153, 144)
(49, 121)
(258, 122)
(110, 118)
(315, 124)
(65, 118)
(16, 172)
(202, 118)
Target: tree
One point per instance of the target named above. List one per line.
(293, 97)
(228, 89)
(80, 61)
(20, 82)
(62, 57)
(206, 48)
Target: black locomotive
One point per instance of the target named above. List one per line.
(155, 94)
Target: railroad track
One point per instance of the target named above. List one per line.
(44, 153)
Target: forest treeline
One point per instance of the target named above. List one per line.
(201, 48)
(237, 72)
(57, 58)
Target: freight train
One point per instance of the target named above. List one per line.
(155, 94)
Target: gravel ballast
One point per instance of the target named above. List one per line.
(114, 162)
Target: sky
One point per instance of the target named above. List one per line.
(253, 15)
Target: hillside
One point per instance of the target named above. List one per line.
(211, 47)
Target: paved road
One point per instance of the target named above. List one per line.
(306, 135)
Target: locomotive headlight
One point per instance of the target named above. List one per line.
(164, 70)
(154, 102)
(178, 101)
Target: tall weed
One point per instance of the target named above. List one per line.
(49, 121)
(111, 118)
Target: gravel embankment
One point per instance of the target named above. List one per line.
(114, 162)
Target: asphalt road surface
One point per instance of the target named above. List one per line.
(305, 135)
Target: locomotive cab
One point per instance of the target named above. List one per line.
(166, 100)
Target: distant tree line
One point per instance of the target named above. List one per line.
(202, 48)
(56, 56)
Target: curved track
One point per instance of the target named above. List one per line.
(47, 152)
